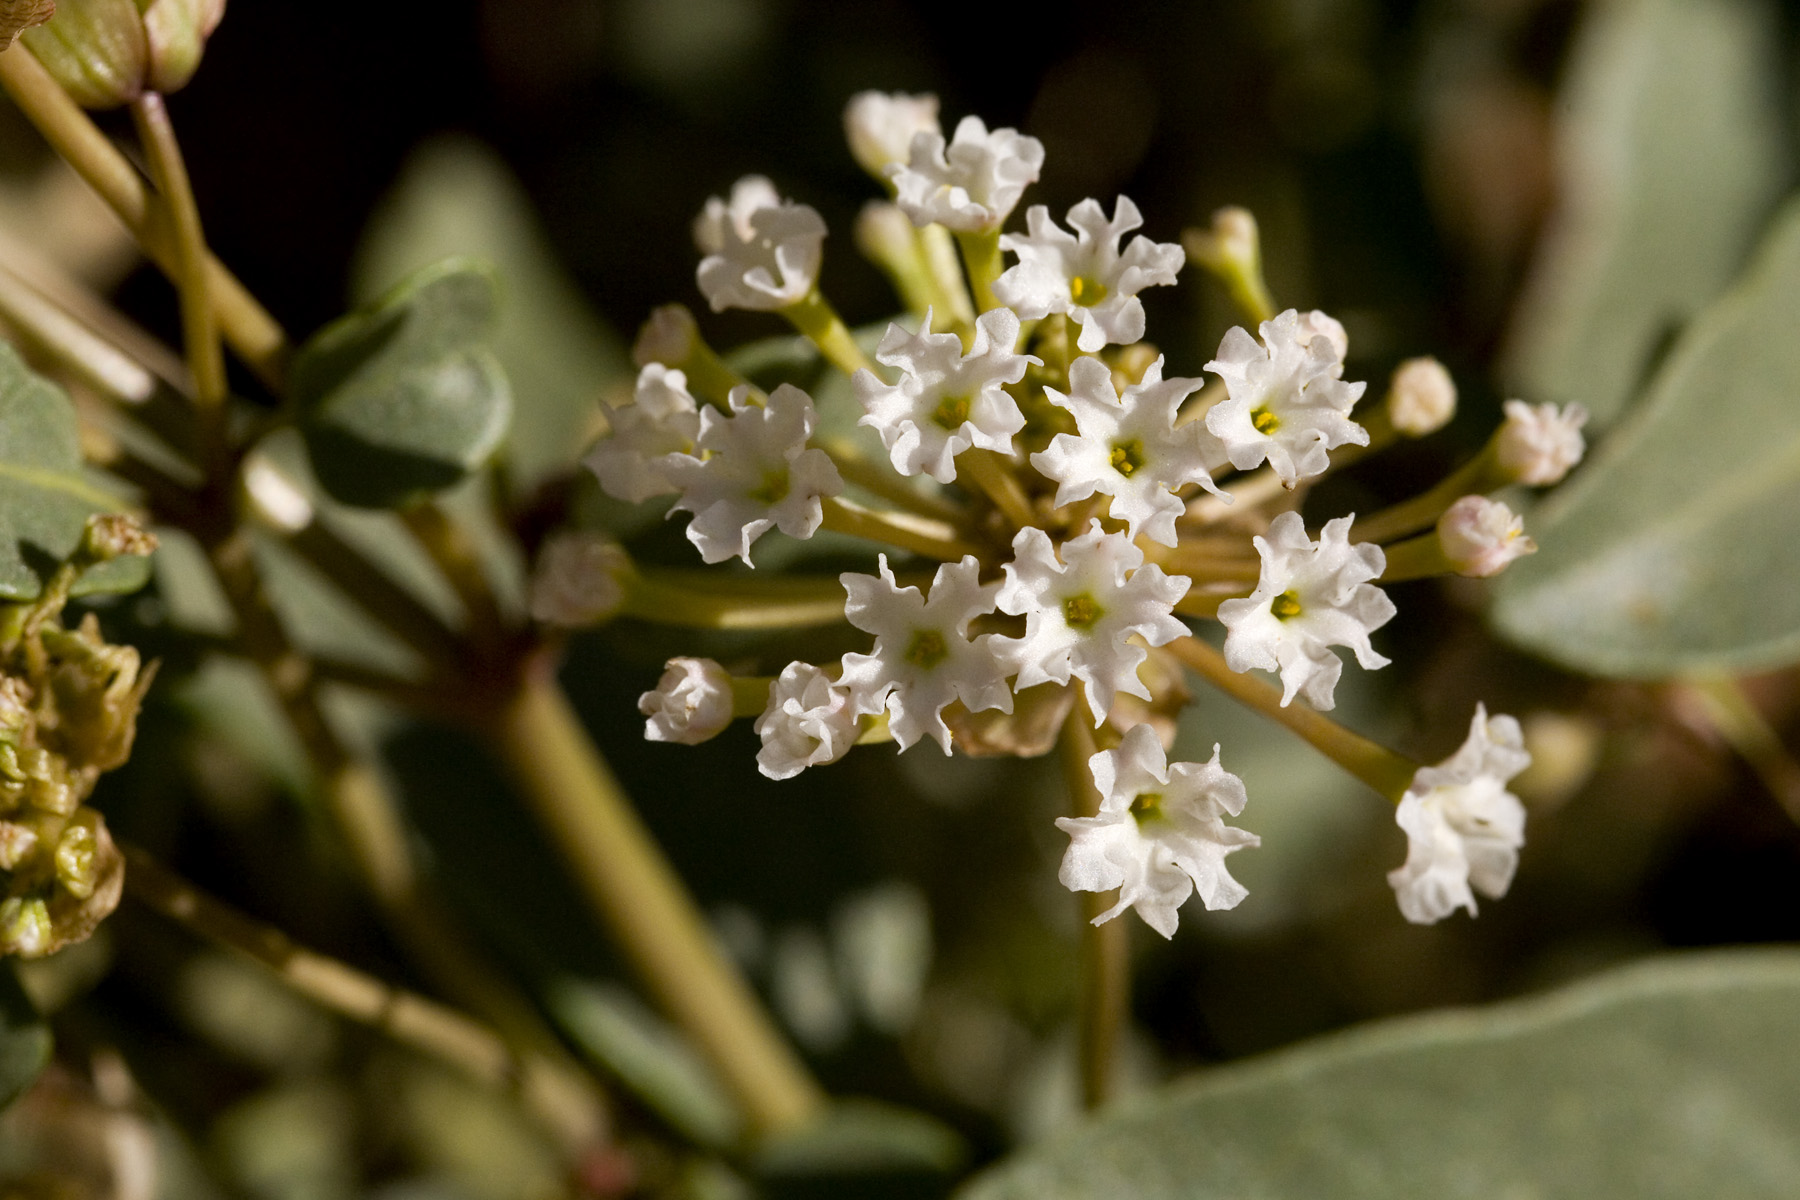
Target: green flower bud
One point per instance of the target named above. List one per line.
(77, 863)
(109, 52)
(16, 16)
(25, 927)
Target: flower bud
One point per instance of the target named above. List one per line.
(77, 865)
(1537, 444)
(880, 127)
(1321, 324)
(16, 16)
(1231, 245)
(668, 337)
(108, 52)
(25, 927)
(16, 842)
(691, 704)
(885, 236)
(1421, 398)
(113, 535)
(1480, 536)
(580, 579)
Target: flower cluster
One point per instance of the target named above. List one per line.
(1085, 512)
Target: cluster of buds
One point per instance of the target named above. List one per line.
(1083, 508)
(68, 712)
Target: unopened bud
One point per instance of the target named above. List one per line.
(114, 535)
(15, 707)
(108, 52)
(1317, 324)
(880, 127)
(276, 498)
(77, 861)
(1231, 244)
(1537, 444)
(580, 579)
(16, 841)
(1421, 398)
(884, 236)
(1480, 536)
(16, 16)
(668, 337)
(25, 927)
(692, 702)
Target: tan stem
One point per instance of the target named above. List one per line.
(450, 547)
(929, 538)
(813, 316)
(1105, 952)
(675, 597)
(1737, 719)
(994, 475)
(636, 894)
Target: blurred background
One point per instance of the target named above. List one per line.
(901, 914)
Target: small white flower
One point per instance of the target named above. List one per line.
(1084, 276)
(1129, 447)
(1082, 612)
(1539, 445)
(1480, 536)
(880, 127)
(1321, 324)
(946, 401)
(757, 474)
(691, 703)
(1285, 401)
(580, 579)
(923, 657)
(662, 419)
(762, 252)
(974, 184)
(1422, 397)
(810, 720)
(1462, 826)
(1311, 596)
(1160, 834)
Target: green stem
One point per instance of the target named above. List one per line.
(814, 317)
(252, 332)
(880, 480)
(708, 601)
(1105, 953)
(984, 263)
(450, 547)
(638, 896)
(1388, 773)
(1416, 558)
(993, 474)
(928, 538)
(1422, 511)
(1737, 719)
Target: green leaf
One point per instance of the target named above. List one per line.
(1671, 150)
(1670, 1078)
(1678, 548)
(404, 397)
(24, 1039)
(46, 494)
(457, 196)
(864, 1137)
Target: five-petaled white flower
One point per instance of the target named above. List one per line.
(691, 703)
(880, 127)
(660, 420)
(809, 721)
(974, 184)
(1129, 447)
(762, 252)
(1312, 595)
(1462, 826)
(1539, 445)
(1285, 402)
(1480, 536)
(1081, 613)
(1083, 275)
(1160, 834)
(751, 472)
(946, 401)
(923, 657)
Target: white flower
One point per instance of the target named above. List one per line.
(974, 184)
(662, 419)
(1320, 324)
(1421, 397)
(1084, 276)
(1462, 826)
(757, 474)
(1311, 596)
(809, 721)
(880, 127)
(1480, 536)
(1286, 403)
(1129, 447)
(923, 657)
(762, 252)
(1081, 613)
(946, 401)
(580, 579)
(691, 703)
(1160, 834)
(1537, 444)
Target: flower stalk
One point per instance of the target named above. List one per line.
(1105, 951)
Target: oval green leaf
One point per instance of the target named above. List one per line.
(1671, 152)
(24, 1039)
(46, 494)
(1678, 548)
(1667, 1079)
(404, 398)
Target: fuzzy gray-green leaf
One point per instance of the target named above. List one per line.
(24, 1039)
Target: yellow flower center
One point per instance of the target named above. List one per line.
(951, 412)
(1265, 421)
(926, 650)
(774, 487)
(1127, 457)
(1086, 292)
(1285, 606)
(1147, 806)
(1081, 612)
